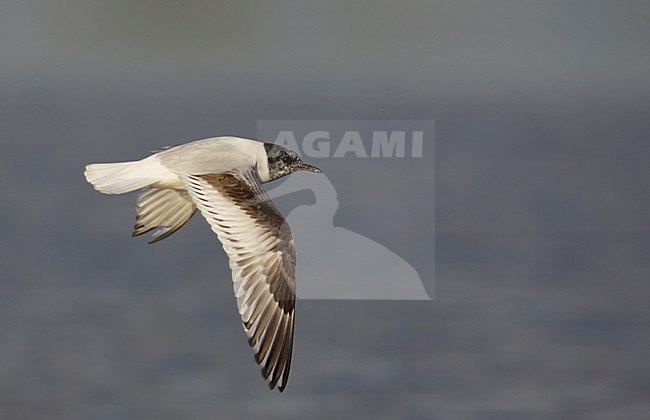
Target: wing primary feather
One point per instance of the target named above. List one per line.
(287, 367)
(267, 338)
(277, 343)
(282, 357)
(264, 320)
(258, 307)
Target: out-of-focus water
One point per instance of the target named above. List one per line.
(541, 268)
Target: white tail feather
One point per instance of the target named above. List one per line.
(122, 177)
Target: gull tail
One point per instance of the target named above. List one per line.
(122, 177)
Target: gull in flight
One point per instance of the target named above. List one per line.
(222, 177)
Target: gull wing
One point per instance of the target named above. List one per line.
(162, 208)
(262, 259)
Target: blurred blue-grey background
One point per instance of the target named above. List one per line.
(541, 207)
